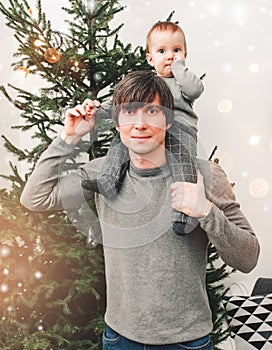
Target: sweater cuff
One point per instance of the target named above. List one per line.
(208, 222)
(177, 65)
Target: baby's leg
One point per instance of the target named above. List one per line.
(110, 176)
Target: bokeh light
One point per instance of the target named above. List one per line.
(254, 140)
(224, 106)
(4, 288)
(38, 275)
(4, 251)
(258, 188)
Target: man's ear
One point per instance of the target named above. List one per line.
(149, 59)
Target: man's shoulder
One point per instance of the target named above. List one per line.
(204, 165)
(215, 178)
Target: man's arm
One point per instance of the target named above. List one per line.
(190, 85)
(48, 188)
(219, 216)
(227, 228)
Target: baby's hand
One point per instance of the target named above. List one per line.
(179, 57)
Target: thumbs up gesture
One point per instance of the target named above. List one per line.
(190, 198)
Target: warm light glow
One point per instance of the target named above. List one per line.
(76, 63)
(224, 106)
(4, 252)
(258, 188)
(254, 140)
(4, 288)
(38, 275)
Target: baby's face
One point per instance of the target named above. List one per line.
(164, 48)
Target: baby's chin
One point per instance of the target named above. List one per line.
(166, 75)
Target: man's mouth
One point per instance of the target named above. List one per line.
(140, 137)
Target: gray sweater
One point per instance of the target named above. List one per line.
(155, 279)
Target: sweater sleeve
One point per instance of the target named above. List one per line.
(190, 85)
(226, 226)
(49, 188)
(104, 111)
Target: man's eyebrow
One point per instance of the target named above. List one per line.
(151, 105)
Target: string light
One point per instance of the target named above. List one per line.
(38, 42)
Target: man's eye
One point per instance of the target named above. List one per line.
(161, 50)
(177, 49)
(153, 111)
(128, 111)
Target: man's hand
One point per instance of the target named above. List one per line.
(190, 198)
(79, 121)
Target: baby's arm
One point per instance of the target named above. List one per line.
(104, 111)
(190, 85)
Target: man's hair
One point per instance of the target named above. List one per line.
(163, 26)
(139, 88)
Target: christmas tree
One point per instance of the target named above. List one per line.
(52, 283)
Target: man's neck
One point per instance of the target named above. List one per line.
(144, 162)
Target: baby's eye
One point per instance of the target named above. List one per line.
(161, 50)
(177, 49)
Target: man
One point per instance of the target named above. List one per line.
(156, 296)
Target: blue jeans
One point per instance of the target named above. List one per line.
(114, 341)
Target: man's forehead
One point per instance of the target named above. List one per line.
(141, 104)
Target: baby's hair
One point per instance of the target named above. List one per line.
(163, 26)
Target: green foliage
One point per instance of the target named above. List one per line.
(216, 291)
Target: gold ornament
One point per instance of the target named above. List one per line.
(52, 55)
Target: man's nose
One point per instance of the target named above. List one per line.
(140, 120)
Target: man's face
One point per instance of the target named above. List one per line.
(143, 131)
(164, 48)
